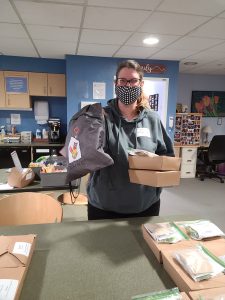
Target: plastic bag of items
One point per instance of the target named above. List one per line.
(167, 233)
(170, 294)
(202, 229)
(199, 263)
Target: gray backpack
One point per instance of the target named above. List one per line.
(85, 142)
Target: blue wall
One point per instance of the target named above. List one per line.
(82, 71)
(57, 106)
(191, 82)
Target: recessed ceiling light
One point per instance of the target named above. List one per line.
(190, 63)
(151, 41)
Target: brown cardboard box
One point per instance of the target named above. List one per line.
(15, 258)
(184, 296)
(217, 293)
(182, 280)
(17, 179)
(17, 274)
(157, 248)
(155, 178)
(156, 163)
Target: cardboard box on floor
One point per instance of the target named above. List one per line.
(157, 248)
(15, 256)
(18, 179)
(182, 280)
(217, 293)
(156, 163)
(154, 178)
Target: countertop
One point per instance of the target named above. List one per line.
(32, 144)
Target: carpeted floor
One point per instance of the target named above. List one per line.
(203, 199)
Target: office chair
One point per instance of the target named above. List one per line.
(29, 208)
(214, 156)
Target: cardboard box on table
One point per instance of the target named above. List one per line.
(184, 296)
(182, 280)
(156, 163)
(157, 248)
(217, 293)
(15, 256)
(20, 180)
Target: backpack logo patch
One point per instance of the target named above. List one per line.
(74, 152)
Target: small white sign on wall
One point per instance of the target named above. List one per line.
(15, 119)
(99, 90)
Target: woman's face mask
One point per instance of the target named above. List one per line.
(128, 94)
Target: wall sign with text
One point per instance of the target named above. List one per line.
(16, 85)
(153, 68)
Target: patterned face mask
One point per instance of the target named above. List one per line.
(128, 94)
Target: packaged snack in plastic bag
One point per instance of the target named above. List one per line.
(199, 262)
(167, 232)
(202, 229)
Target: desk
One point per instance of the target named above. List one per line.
(35, 186)
(87, 260)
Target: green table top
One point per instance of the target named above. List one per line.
(101, 260)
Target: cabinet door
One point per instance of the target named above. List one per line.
(56, 85)
(16, 88)
(38, 84)
(2, 90)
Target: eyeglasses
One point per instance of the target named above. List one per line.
(124, 81)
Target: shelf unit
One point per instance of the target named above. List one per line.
(187, 129)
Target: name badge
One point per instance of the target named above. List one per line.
(143, 132)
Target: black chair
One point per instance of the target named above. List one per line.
(214, 156)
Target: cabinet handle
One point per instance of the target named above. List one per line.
(50, 90)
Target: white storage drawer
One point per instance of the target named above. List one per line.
(189, 154)
(188, 162)
(188, 171)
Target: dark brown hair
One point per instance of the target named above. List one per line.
(142, 102)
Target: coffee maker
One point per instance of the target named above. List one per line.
(54, 132)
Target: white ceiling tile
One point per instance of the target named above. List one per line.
(199, 7)
(169, 23)
(65, 1)
(141, 4)
(219, 48)
(135, 52)
(171, 54)
(104, 36)
(17, 47)
(53, 33)
(7, 13)
(49, 13)
(207, 56)
(194, 43)
(96, 50)
(113, 18)
(54, 49)
(214, 29)
(12, 30)
(137, 40)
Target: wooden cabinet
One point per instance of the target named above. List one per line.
(45, 84)
(56, 85)
(38, 84)
(187, 129)
(16, 90)
(2, 90)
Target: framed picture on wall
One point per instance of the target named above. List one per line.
(209, 103)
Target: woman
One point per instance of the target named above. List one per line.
(129, 124)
